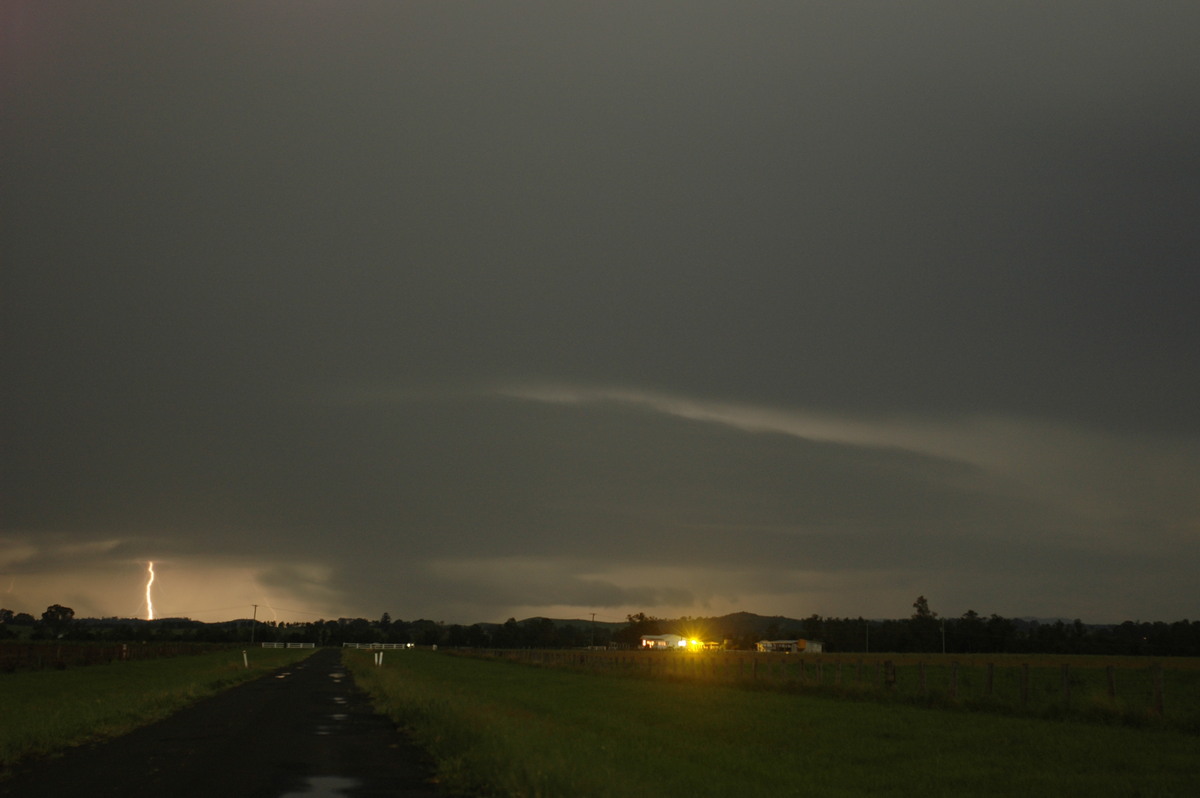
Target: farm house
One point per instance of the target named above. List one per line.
(663, 641)
(791, 646)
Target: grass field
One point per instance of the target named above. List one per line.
(508, 729)
(47, 711)
(1128, 690)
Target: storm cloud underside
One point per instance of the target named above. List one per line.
(474, 310)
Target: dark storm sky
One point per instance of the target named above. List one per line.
(470, 310)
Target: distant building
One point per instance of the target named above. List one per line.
(791, 646)
(656, 642)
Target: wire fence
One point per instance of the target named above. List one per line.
(59, 655)
(1125, 690)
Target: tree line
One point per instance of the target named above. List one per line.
(923, 631)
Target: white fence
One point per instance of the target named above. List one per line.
(289, 645)
(378, 646)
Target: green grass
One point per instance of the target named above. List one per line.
(506, 729)
(1134, 699)
(47, 711)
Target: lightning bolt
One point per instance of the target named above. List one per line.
(149, 601)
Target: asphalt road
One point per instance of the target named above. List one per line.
(304, 730)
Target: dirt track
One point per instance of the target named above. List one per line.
(304, 730)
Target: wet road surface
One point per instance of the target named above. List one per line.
(304, 730)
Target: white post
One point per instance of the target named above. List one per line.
(245, 659)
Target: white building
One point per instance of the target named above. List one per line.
(791, 646)
(657, 642)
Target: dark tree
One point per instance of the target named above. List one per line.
(539, 633)
(1001, 634)
(814, 628)
(639, 624)
(923, 626)
(477, 637)
(508, 635)
(972, 633)
(57, 616)
(457, 636)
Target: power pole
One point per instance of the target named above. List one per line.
(253, 624)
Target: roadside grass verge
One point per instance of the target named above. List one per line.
(497, 728)
(45, 712)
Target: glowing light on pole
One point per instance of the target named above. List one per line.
(149, 600)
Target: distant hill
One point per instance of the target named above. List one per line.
(584, 623)
(560, 623)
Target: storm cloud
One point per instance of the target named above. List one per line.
(477, 310)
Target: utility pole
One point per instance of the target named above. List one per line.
(253, 624)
